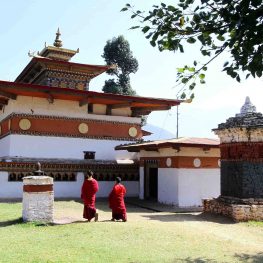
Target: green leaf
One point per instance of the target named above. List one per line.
(183, 95)
(201, 76)
(145, 29)
(225, 64)
(181, 48)
(192, 69)
(259, 73)
(192, 86)
(171, 8)
(181, 21)
(195, 63)
(180, 70)
(184, 80)
(134, 27)
(124, 9)
(220, 38)
(191, 40)
(149, 35)
(160, 13)
(153, 43)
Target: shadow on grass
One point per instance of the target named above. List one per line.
(248, 258)
(11, 222)
(195, 260)
(255, 258)
(11, 200)
(177, 217)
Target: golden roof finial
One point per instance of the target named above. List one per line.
(57, 42)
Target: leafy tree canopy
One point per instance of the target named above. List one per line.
(117, 51)
(219, 26)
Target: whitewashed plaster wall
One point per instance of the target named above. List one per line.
(168, 186)
(197, 184)
(71, 109)
(61, 147)
(132, 188)
(64, 189)
(69, 189)
(5, 146)
(187, 187)
(10, 189)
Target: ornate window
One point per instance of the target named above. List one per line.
(57, 176)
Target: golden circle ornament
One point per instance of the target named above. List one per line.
(83, 128)
(133, 132)
(24, 124)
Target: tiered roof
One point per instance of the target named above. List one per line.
(53, 62)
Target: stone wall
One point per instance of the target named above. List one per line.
(242, 179)
(235, 208)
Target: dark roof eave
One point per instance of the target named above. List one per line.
(34, 60)
(83, 93)
(154, 147)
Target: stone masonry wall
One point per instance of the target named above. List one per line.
(38, 199)
(238, 210)
(243, 179)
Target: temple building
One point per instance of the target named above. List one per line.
(180, 172)
(49, 115)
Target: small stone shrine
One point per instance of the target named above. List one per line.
(241, 146)
(38, 197)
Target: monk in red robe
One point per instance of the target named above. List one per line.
(88, 194)
(116, 201)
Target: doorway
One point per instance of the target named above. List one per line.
(151, 181)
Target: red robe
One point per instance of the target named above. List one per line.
(88, 191)
(116, 202)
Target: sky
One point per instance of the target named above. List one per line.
(87, 25)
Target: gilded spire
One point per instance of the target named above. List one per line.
(57, 42)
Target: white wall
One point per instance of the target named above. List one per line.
(168, 186)
(197, 184)
(10, 189)
(69, 189)
(5, 146)
(64, 147)
(64, 189)
(132, 188)
(184, 187)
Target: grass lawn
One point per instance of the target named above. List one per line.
(146, 237)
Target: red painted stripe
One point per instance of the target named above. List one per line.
(38, 188)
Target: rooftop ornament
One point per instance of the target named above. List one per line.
(247, 108)
(58, 42)
(38, 172)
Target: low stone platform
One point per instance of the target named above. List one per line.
(237, 209)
